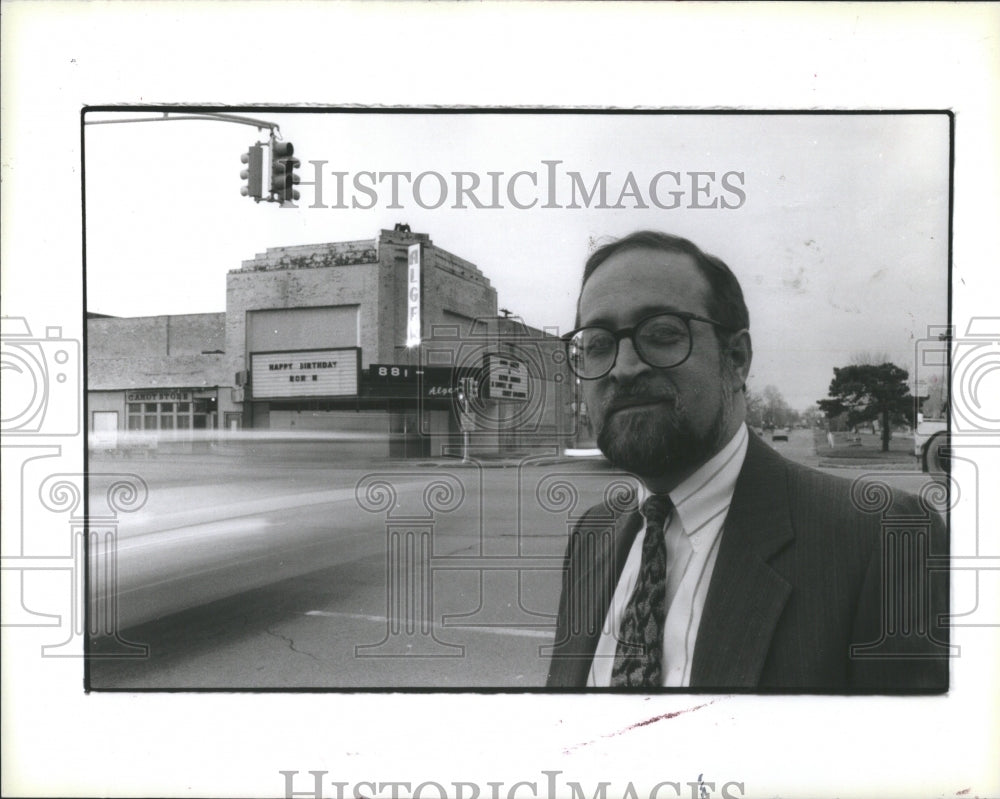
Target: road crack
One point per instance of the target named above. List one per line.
(291, 644)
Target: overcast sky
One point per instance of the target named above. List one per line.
(839, 235)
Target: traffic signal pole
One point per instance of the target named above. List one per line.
(270, 176)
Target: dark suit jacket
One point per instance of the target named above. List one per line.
(816, 588)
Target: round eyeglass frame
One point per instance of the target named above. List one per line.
(629, 333)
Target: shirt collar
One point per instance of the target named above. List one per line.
(708, 492)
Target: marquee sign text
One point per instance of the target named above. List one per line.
(315, 373)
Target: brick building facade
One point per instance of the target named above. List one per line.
(314, 338)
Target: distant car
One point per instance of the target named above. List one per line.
(780, 435)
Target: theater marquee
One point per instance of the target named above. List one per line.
(305, 373)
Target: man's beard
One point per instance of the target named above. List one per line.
(659, 440)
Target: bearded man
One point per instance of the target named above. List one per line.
(740, 569)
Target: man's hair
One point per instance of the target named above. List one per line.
(725, 301)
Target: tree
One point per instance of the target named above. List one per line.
(869, 358)
(776, 411)
(769, 409)
(755, 409)
(868, 391)
(812, 416)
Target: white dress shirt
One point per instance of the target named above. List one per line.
(693, 532)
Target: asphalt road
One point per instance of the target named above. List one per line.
(284, 572)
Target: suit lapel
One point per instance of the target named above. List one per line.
(746, 596)
(600, 565)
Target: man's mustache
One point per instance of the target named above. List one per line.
(633, 394)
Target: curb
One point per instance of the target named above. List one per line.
(902, 466)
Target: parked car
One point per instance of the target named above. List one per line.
(780, 435)
(930, 440)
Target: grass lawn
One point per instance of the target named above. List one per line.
(870, 448)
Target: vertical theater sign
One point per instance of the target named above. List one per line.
(413, 296)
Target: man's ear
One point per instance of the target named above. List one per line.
(739, 352)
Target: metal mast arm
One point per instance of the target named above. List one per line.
(260, 124)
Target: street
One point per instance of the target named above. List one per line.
(282, 571)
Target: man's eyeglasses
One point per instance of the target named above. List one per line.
(662, 340)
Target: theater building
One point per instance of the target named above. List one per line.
(392, 338)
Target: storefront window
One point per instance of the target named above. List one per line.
(196, 415)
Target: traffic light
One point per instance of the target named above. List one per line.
(283, 177)
(254, 172)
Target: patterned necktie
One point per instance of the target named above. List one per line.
(639, 657)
